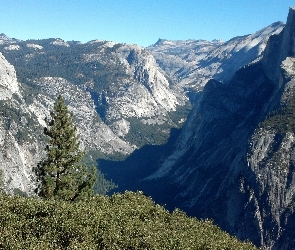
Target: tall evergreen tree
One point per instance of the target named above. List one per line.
(61, 174)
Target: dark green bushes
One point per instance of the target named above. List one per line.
(122, 221)
(282, 119)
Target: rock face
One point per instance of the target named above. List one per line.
(193, 63)
(122, 81)
(114, 91)
(8, 82)
(18, 150)
(95, 135)
(234, 160)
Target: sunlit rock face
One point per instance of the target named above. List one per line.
(8, 81)
(17, 147)
(124, 81)
(193, 63)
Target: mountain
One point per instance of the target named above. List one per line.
(114, 90)
(234, 160)
(18, 148)
(124, 80)
(193, 63)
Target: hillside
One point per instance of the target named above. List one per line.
(120, 98)
(118, 82)
(234, 158)
(122, 221)
(193, 63)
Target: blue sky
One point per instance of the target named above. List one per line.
(141, 22)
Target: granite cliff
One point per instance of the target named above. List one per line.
(234, 160)
(192, 63)
(18, 148)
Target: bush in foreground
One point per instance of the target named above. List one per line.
(122, 221)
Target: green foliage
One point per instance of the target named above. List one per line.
(142, 134)
(102, 185)
(29, 91)
(61, 174)
(122, 221)
(282, 119)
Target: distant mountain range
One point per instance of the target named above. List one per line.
(192, 63)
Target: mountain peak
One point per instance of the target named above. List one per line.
(4, 37)
(279, 47)
(217, 41)
(160, 41)
(289, 34)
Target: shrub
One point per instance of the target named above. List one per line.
(122, 221)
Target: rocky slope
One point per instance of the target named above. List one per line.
(18, 149)
(234, 160)
(114, 90)
(21, 126)
(123, 81)
(193, 63)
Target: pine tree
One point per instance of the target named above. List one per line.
(60, 174)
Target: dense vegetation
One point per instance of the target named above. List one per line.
(142, 134)
(122, 221)
(66, 62)
(282, 119)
